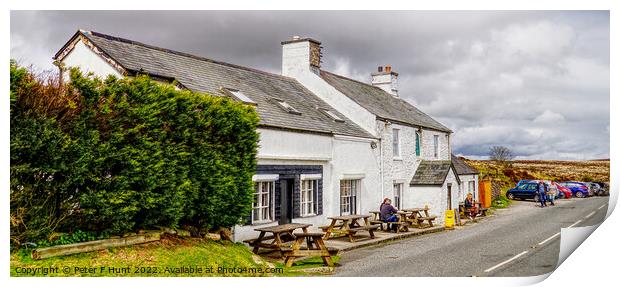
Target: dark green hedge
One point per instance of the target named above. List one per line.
(115, 155)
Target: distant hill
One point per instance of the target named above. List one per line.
(557, 170)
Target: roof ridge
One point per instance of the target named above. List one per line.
(184, 54)
(387, 94)
(354, 80)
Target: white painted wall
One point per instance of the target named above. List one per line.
(465, 179)
(280, 144)
(355, 158)
(427, 145)
(402, 168)
(435, 197)
(88, 61)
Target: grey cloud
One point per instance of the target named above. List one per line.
(535, 81)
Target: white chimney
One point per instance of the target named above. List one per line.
(386, 79)
(300, 55)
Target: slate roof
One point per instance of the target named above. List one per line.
(381, 103)
(431, 172)
(461, 167)
(205, 75)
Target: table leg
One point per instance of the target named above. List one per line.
(278, 242)
(289, 260)
(258, 241)
(305, 229)
(367, 223)
(321, 245)
(328, 232)
(348, 230)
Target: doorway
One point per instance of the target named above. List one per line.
(287, 185)
(449, 196)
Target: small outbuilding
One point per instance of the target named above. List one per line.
(468, 175)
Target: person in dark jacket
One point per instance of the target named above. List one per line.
(388, 213)
(470, 207)
(542, 194)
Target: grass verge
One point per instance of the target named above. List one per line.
(169, 257)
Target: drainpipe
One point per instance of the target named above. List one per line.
(381, 171)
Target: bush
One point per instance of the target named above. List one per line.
(114, 155)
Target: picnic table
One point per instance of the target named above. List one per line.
(401, 222)
(417, 216)
(315, 247)
(349, 225)
(482, 211)
(277, 232)
(376, 219)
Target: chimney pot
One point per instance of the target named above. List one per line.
(296, 37)
(386, 80)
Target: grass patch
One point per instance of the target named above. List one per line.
(169, 257)
(500, 202)
(307, 267)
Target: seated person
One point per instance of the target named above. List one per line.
(388, 213)
(470, 206)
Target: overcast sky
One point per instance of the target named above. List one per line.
(535, 81)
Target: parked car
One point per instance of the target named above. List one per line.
(554, 186)
(593, 188)
(579, 189)
(523, 181)
(604, 191)
(564, 192)
(528, 190)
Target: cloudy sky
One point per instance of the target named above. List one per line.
(535, 81)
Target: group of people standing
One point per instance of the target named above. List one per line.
(545, 193)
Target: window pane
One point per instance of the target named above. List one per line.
(348, 194)
(417, 144)
(436, 146)
(395, 142)
(263, 198)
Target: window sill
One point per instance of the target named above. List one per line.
(398, 158)
(308, 215)
(264, 222)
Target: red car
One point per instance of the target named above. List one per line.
(563, 191)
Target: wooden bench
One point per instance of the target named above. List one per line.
(349, 225)
(402, 226)
(288, 251)
(369, 228)
(254, 241)
(376, 219)
(429, 219)
(464, 212)
(326, 227)
(315, 247)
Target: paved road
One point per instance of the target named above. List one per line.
(481, 249)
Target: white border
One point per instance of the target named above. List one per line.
(599, 251)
